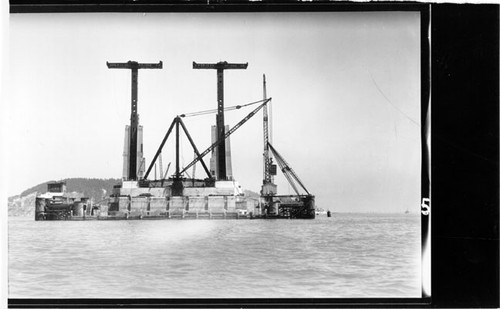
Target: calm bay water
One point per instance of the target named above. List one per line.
(348, 255)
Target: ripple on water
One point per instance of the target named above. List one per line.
(345, 256)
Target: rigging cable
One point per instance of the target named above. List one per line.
(211, 111)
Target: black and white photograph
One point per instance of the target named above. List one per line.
(242, 155)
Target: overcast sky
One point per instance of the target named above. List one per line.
(345, 89)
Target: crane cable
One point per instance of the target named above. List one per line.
(215, 110)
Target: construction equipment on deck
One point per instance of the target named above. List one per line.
(221, 147)
(268, 188)
(298, 206)
(134, 116)
(176, 122)
(288, 171)
(220, 141)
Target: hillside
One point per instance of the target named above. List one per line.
(89, 187)
(251, 194)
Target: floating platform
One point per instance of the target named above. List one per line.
(145, 205)
(218, 196)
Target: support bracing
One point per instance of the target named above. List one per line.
(194, 148)
(160, 148)
(177, 122)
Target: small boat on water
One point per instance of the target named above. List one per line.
(320, 211)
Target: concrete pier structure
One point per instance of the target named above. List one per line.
(141, 162)
(214, 158)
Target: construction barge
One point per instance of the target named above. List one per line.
(179, 196)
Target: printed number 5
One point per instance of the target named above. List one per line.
(426, 206)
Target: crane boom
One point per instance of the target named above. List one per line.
(267, 163)
(288, 171)
(239, 124)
